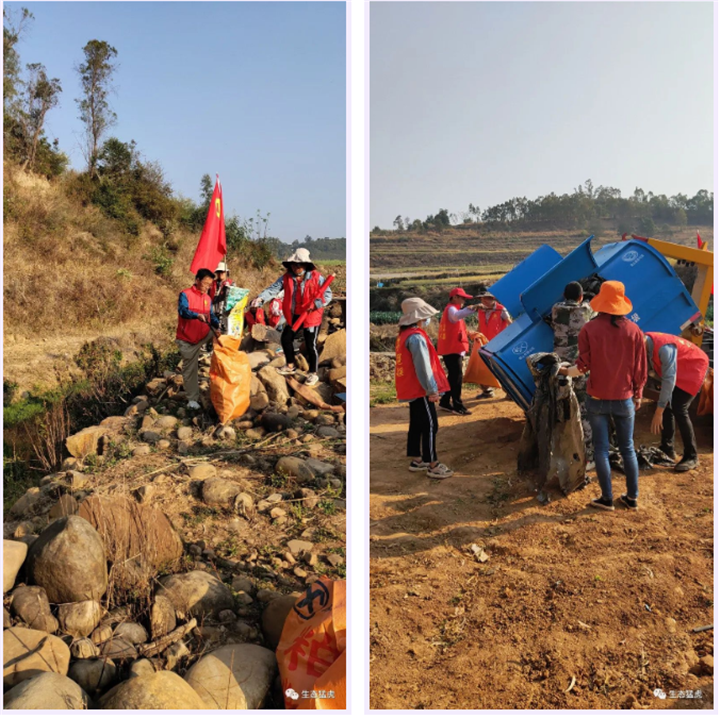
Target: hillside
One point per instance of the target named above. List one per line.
(72, 274)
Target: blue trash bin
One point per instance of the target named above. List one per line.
(661, 303)
(508, 289)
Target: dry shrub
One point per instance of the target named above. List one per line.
(139, 541)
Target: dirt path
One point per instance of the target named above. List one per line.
(603, 600)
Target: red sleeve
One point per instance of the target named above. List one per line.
(641, 371)
(583, 360)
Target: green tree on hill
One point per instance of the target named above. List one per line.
(41, 95)
(95, 111)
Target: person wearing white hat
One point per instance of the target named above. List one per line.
(218, 290)
(299, 287)
(420, 380)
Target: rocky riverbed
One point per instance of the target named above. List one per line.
(155, 568)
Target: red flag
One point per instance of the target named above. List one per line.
(212, 246)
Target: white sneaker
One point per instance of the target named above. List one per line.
(312, 379)
(193, 405)
(286, 371)
(439, 472)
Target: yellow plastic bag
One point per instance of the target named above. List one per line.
(477, 371)
(230, 377)
(311, 652)
(236, 301)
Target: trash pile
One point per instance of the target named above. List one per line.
(156, 569)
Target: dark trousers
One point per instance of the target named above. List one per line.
(310, 334)
(454, 366)
(678, 411)
(423, 430)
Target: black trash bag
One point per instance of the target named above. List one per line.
(552, 445)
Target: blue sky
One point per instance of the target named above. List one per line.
(253, 91)
(481, 102)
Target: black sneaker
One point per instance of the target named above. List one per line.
(445, 407)
(628, 503)
(668, 451)
(463, 411)
(601, 503)
(687, 465)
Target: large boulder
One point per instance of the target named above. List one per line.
(68, 561)
(31, 605)
(27, 653)
(132, 632)
(264, 333)
(196, 594)
(14, 553)
(163, 690)
(93, 675)
(79, 619)
(46, 691)
(85, 442)
(139, 539)
(275, 385)
(234, 677)
(334, 347)
(25, 503)
(258, 359)
(273, 619)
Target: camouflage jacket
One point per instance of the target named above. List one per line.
(568, 318)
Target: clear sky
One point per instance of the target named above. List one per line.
(481, 102)
(252, 91)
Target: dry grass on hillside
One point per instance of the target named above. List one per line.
(68, 269)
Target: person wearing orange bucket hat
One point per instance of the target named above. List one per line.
(612, 349)
(452, 345)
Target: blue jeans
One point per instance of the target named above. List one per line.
(623, 412)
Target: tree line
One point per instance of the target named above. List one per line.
(587, 207)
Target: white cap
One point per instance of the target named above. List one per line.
(222, 267)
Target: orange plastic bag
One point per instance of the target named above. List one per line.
(705, 402)
(230, 377)
(311, 652)
(477, 371)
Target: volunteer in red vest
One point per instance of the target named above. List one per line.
(452, 345)
(197, 324)
(681, 366)
(492, 319)
(300, 286)
(420, 380)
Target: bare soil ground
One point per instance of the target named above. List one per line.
(574, 608)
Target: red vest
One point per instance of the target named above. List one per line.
(193, 330)
(407, 385)
(254, 316)
(314, 317)
(275, 313)
(452, 337)
(692, 361)
(493, 326)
